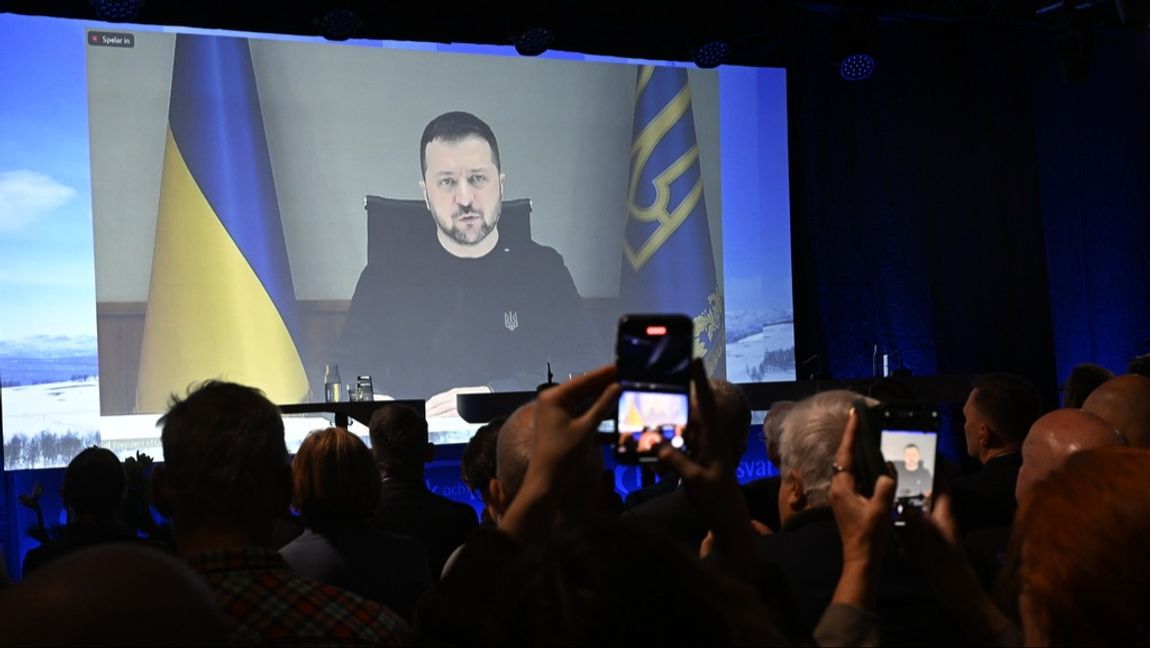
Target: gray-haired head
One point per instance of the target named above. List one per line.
(773, 428)
(811, 434)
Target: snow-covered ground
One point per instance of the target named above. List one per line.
(56, 408)
(748, 352)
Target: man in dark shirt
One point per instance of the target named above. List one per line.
(407, 507)
(913, 477)
(483, 311)
(998, 413)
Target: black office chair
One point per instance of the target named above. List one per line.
(397, 228)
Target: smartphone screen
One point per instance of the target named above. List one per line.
(646, 419)
(653, 357)
(913, 454)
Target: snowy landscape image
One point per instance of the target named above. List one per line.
(51, 399)
(760, 345)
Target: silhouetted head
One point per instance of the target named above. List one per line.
(1124, 402)
(478, 463)
(1080, 543)
(998, 414)
(1083, 380)
(335, 479)
(94, 484)
(399, 441)
(1053, 438)
(224, 457)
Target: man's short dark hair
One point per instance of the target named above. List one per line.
(1083, 380)
(1009, 402)
(909, 446)
(453, 127)
(398, 439)
(219, 443)
(478, 461)
(734, 411)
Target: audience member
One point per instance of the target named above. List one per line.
(1140, 365)
(763, 494)
(224, 480)
(113, 595)
(1080, 568)
(1083, 380)
(544, 577)
(1053, 438)
(407, 507)
(808, 547)
(92, 493)
(337, 489)
(1124, 402)
(478, 465)
(999, 412)
(513, 456)
(1083, 567)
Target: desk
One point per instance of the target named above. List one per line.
(359, 410)
(480, 408)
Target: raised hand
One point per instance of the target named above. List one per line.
(864, 523)
(564, 425)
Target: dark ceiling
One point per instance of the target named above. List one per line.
(758, 32)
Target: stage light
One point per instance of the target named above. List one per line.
(712, 54)
(338, 24)
(534, 41)
(856, 67)
(117, 10)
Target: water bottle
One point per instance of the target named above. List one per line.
(332, 384)
(363, 389)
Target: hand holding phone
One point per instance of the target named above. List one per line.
(904, 437)
(653, 359)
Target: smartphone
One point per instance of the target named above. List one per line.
(899, 439)
(653, 358)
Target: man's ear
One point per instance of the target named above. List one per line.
(985, 434)
(426, 198)
(498, 497)
(161, 497)
(797, 498)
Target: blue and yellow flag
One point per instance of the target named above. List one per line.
(668, 264)
(221, 303)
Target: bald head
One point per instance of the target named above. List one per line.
(1056, 436)
(513, 451)
(1124, 402)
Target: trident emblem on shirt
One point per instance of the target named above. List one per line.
(511, 320)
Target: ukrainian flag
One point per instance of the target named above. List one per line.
(221, 302)
(668, 265)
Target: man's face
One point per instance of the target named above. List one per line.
(463, 188)
(971, 425)
(910, 457)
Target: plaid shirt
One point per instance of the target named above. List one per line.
(267, 603)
